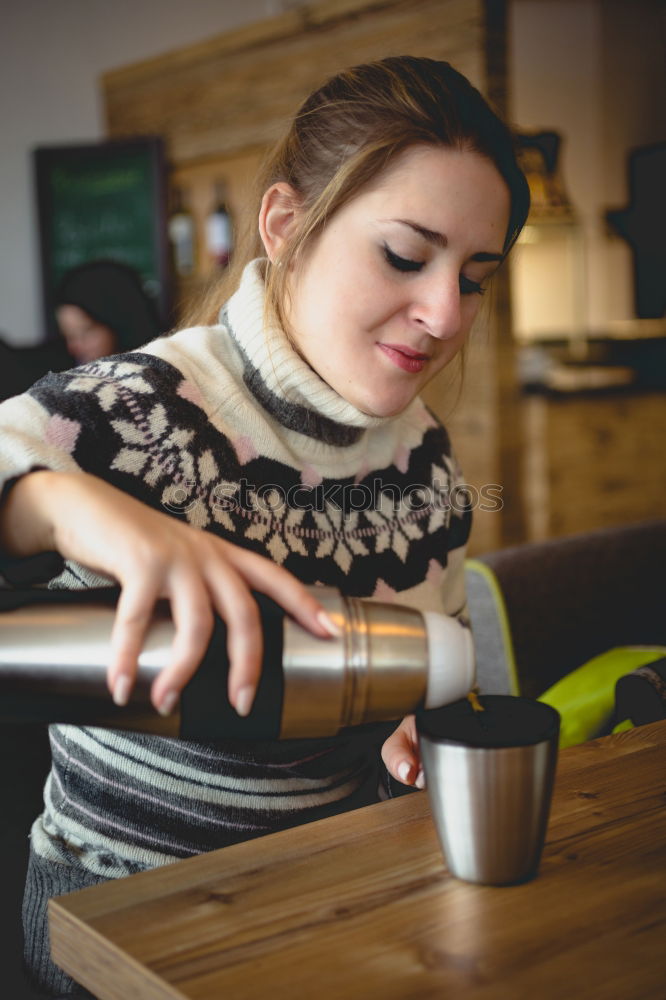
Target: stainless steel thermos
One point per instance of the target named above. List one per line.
(387, 661)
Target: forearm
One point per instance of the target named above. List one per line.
(26, 527)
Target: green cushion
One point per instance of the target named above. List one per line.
(585, 698)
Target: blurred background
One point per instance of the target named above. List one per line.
(132, 131)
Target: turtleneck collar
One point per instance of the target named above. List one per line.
(280, 379)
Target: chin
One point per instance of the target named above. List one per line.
(384, 408)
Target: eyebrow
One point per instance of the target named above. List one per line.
(440, 240)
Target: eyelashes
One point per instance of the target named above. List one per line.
(469, 287)
(401, 263)
(407, 266)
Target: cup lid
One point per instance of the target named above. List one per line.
(506, 721)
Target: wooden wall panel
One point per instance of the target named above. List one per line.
(234, 92)
(605, 460)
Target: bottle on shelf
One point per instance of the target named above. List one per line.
(219, 230)
(181, 235)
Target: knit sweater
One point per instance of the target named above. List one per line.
(228, 428)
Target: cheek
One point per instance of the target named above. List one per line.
(471, 306)
(344, 295)
(96, 342)
(375, 301)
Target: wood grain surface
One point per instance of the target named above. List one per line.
(361, 905)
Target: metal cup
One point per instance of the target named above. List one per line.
(489, 776)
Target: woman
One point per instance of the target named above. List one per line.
(384, 213)
(102, 309)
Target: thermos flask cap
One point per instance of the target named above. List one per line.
(451, 664)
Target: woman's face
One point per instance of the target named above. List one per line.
(386, 296)
(85, 338)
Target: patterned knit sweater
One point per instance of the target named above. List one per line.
(227, 427)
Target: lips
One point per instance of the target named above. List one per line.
(404, 357)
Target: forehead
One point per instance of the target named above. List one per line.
(73, 315)
(444, 189)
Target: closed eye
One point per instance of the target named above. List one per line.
(403, 264)
(469, 287)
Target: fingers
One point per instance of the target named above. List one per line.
(235, 604)
(400, 754)
(133, 615)
(198, 589)
(263, 575)
(193, 620)
(201, 575)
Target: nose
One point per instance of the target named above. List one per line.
(437, 307)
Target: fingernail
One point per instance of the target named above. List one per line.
(244, 700)
(121, 690)
(403, 770)
(420, 780)
(168, 703)
(327, 622)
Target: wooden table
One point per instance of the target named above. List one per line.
(361, 906)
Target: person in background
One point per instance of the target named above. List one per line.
(102, 309)
(380, 220)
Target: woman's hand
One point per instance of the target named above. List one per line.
(401, 756)
(152, 556)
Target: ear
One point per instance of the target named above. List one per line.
(280, 208)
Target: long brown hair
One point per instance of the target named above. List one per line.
(347, 132)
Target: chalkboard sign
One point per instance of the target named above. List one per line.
(103, 201)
